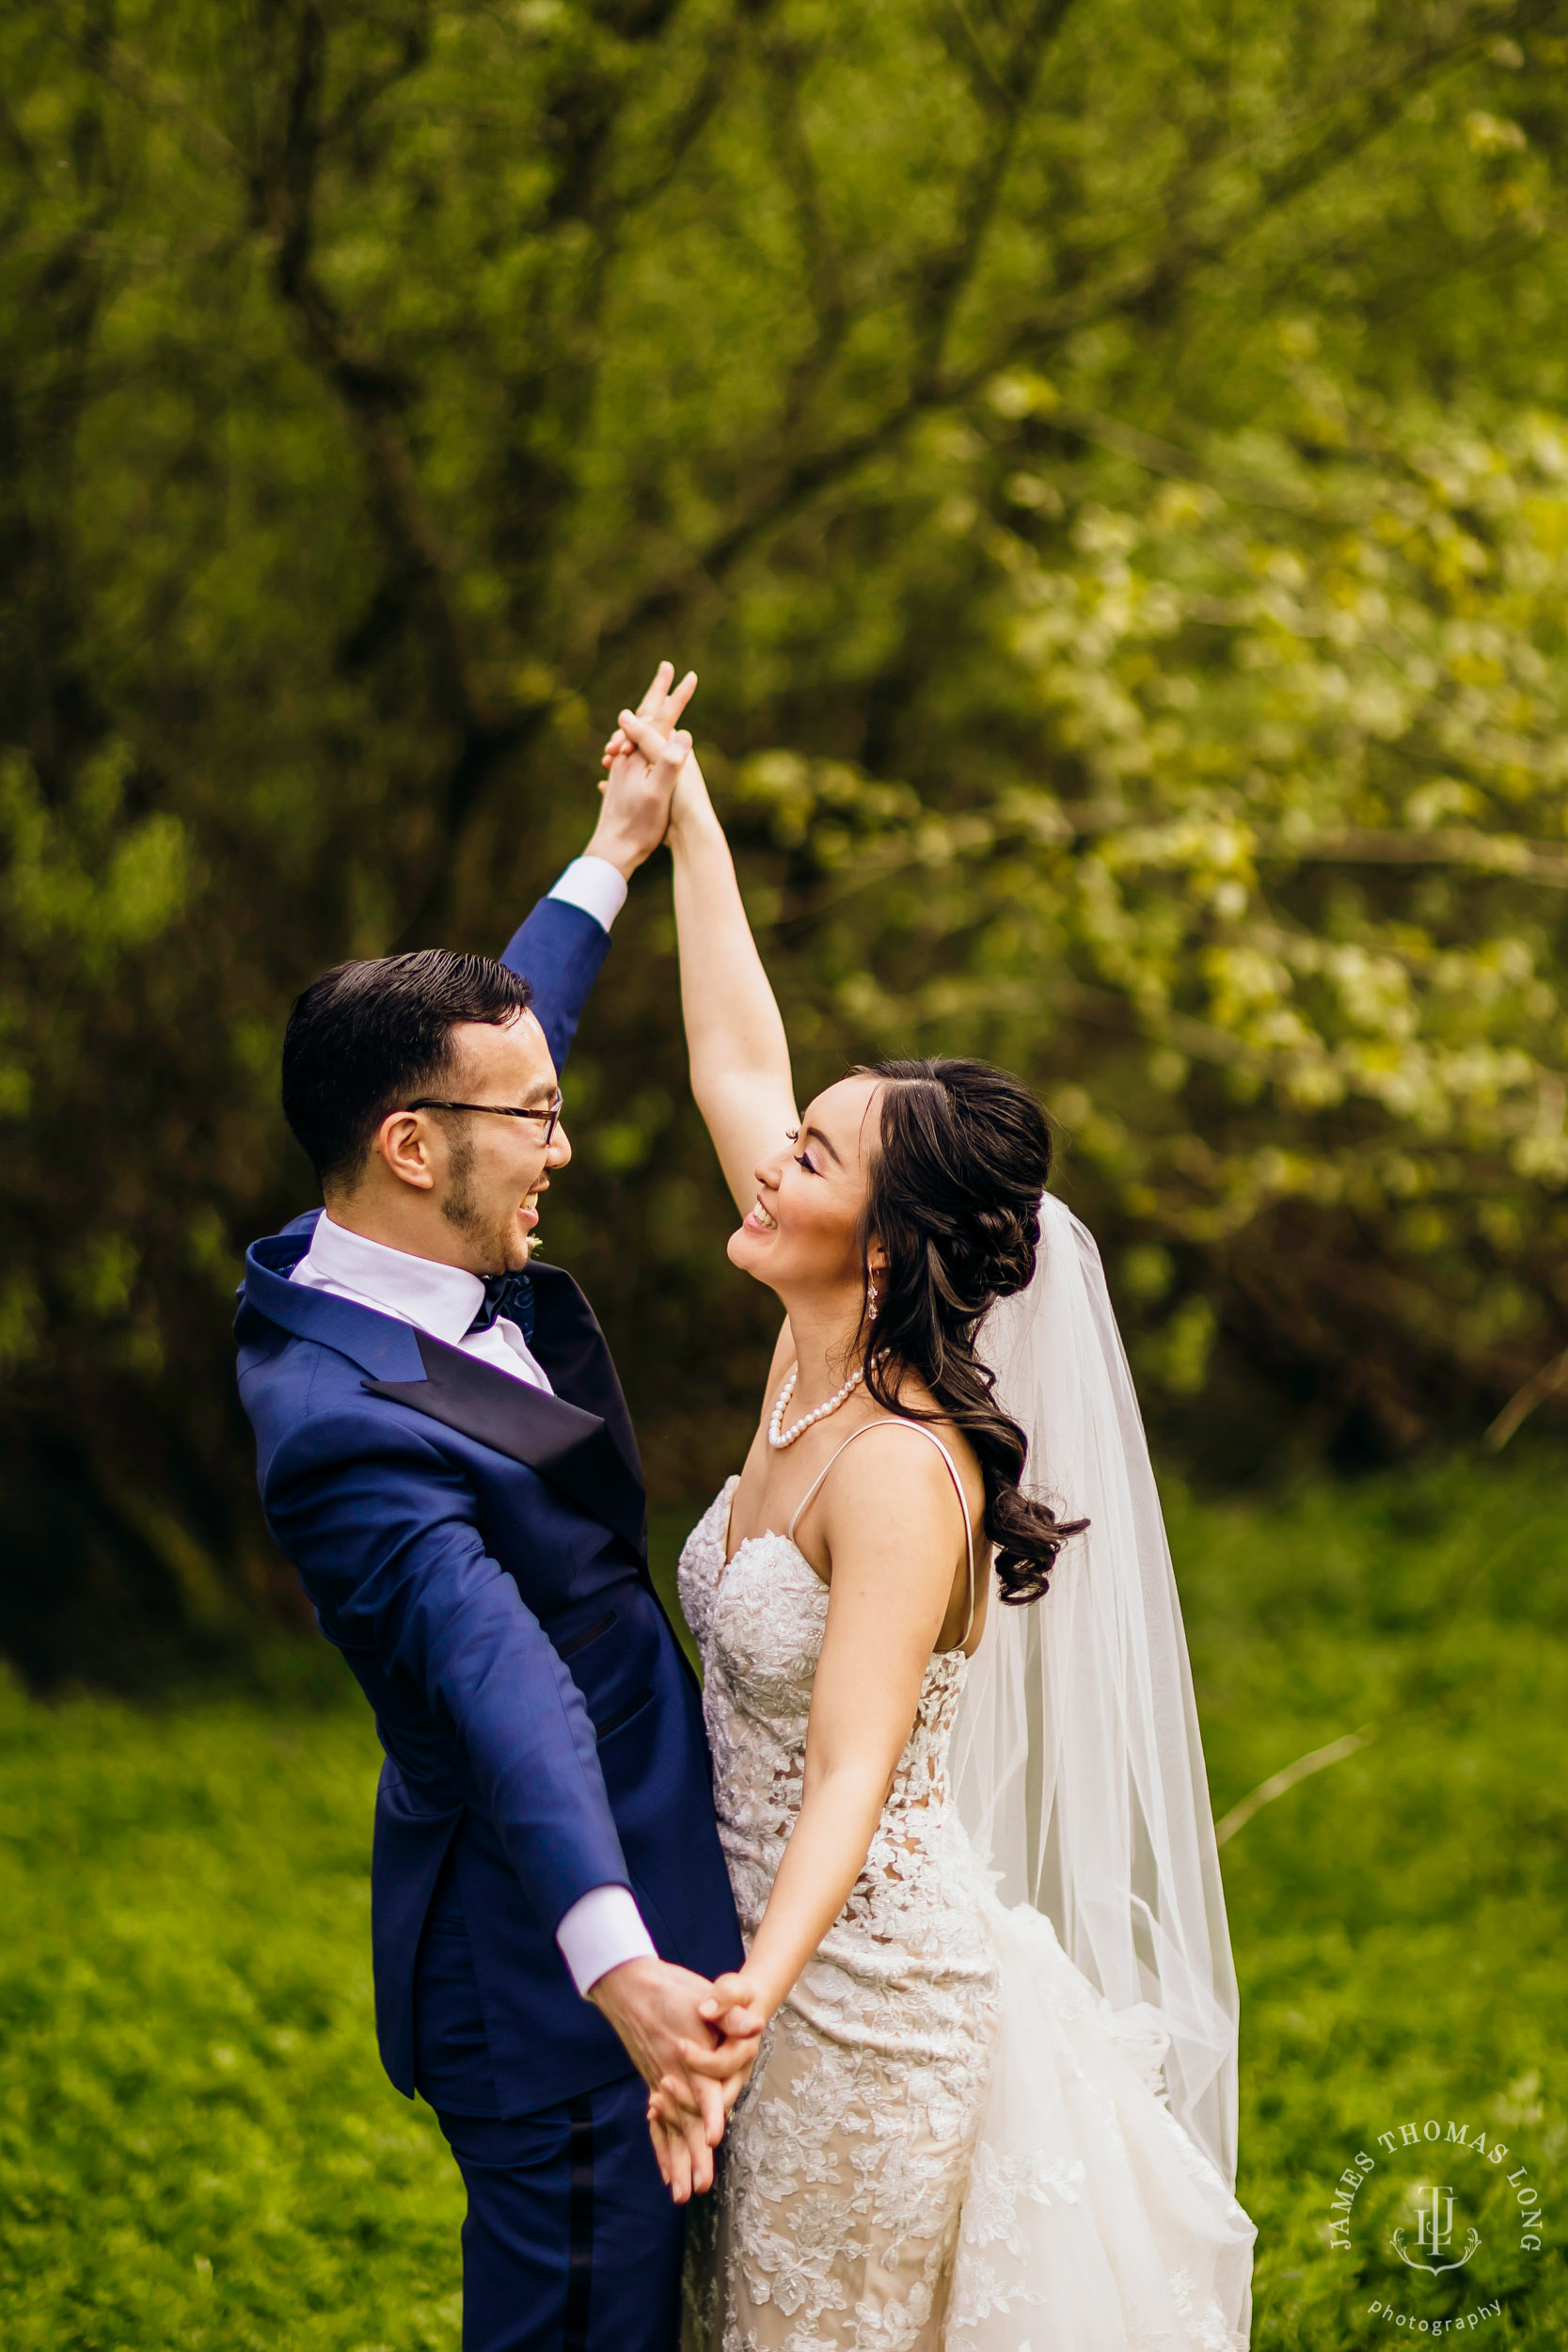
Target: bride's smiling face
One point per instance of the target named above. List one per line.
(803, 1232)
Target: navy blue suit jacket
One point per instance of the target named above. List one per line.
(477, 1550)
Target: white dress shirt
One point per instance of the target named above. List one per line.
(604, 1927)
(440, 1299)
(595, 886)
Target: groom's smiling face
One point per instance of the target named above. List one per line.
(492, 1171)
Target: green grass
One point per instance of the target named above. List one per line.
(1399, 1919)
(197, 2146)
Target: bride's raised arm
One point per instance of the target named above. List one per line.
(740, 1056)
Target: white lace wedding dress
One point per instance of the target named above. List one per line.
(948, 2143)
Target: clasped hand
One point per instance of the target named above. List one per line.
(693, 2043)
(735, 2017)
(641, 777)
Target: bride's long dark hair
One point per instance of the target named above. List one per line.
(962, 1156)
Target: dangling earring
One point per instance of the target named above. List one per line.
(872, 1300)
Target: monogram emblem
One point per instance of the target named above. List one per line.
(1435, 2232)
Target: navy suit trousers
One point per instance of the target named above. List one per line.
(571, 2242)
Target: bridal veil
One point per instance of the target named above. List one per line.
(1077, 1764)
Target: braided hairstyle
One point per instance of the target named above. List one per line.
(962, 1155)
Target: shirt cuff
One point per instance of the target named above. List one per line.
(595, 886)
(603, 1928)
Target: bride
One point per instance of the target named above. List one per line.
(987, 1991)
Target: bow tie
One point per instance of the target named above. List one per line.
(509, 1294)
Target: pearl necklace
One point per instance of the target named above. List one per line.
(778, 1437)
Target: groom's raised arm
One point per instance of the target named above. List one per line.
(562, 944)
(566, 938)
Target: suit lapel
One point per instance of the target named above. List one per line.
(569, 1343)
(570, 1446)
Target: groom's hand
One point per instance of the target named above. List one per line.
(656, 2007)
(637, 790)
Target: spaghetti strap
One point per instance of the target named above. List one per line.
(897, 1420)
(795, 1515)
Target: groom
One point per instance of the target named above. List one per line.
(445, 1455)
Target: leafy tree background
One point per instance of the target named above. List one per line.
(1110, 467)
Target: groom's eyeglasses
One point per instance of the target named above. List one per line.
(550, 1116)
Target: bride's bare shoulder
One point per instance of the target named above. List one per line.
(918, 1400)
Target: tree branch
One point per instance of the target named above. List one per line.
(970, 51)
(1350, 125)
(124, 72)
(673, 144)
(947, 281)
(825, 289)
(1546, 1383)
(792, 487)
(800, 478)
(1502, 854)
(373, 396)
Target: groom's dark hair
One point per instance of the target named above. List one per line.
(365, 1037)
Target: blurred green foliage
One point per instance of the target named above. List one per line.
(196, 2147)
(1111, 469)
(197, 2143)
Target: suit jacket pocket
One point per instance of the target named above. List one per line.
(590, 1633)
(623, 1715)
